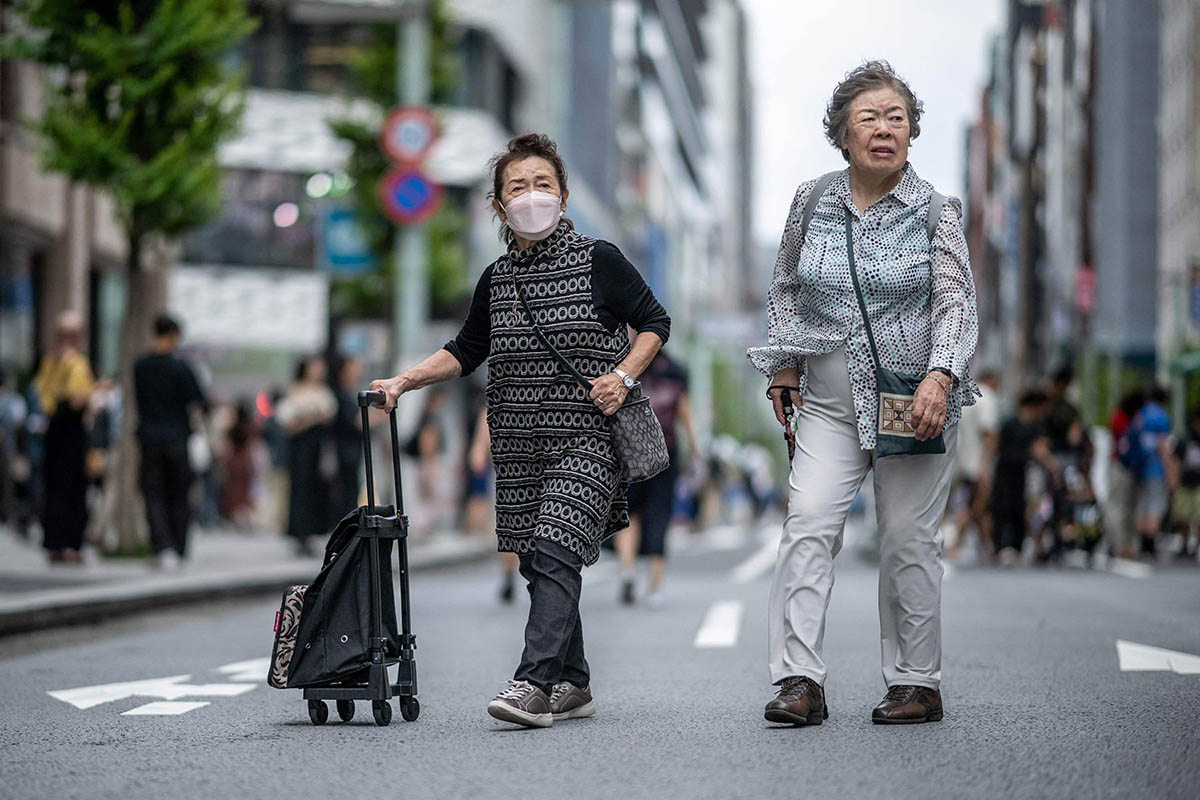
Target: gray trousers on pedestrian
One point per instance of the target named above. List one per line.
(910, 499)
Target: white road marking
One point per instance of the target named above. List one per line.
(1128, 568)
(170, 688)
(762, 560)
(163, 708)
(254, 669)
(1134, 657)
(720, 626)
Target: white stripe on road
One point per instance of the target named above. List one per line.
(253, 670)
(1134, 657)
(163, 708)
(762, 560)
(171, 688)
(720, 626)
(1128, 568)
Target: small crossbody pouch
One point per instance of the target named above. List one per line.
(894, 433)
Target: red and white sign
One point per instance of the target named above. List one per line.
(408, 135)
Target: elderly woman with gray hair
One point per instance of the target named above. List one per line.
(871, 326)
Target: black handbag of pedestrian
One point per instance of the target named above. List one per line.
(637, 436)
(894, 434)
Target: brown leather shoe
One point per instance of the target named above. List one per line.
(800, 702)
(906, 705)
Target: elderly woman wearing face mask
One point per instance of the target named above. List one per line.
(559, 491)
(910, 260)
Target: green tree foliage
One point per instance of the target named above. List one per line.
(139, 99)
(374, 69)
(141, 102)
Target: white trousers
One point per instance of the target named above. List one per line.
(910, 499)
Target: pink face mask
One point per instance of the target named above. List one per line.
(534, 215)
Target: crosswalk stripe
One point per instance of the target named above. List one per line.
(720, 626)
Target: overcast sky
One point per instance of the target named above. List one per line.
(799, 50)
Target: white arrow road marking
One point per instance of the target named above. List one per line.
(253, 670)
(1135, 657)
(720, 626)
(171, 688)
(162, 707)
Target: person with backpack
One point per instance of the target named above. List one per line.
(1149, 434)
(872, 324)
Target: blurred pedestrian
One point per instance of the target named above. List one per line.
(305, 414)
(876, 224)
(427, 445)
(64, 386)
(242, 464)
(347, 437)
(1185, 501)
(977, 435)
(479, 460)
(1022, 440)
(1151, 427)
(559, 487)
(1071, 448)
(12, 420)
(1120, 517)
(652, 502)
(166, 390)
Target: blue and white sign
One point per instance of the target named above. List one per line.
(344, 248)
(408, 196)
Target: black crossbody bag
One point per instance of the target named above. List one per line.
(894, 434)
(637, 436)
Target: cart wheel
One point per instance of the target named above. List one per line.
(318, 712)
(410, 708)
(345, 710)
(383, 712)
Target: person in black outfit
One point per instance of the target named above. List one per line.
(166, 389)
(347, 435)
(1021, 439)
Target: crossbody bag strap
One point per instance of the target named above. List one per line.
(862, 303)
(559, 357)
(814, 196)
(937, 201)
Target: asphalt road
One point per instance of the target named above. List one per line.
(1036, 702)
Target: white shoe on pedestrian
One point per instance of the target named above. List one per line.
(655, 601)
(167, 561)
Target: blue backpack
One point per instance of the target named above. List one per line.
(1130, 452)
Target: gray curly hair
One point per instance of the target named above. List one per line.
(867, 76)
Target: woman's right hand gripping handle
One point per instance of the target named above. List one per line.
(392, 388)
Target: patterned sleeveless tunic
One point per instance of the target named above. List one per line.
(557, 476)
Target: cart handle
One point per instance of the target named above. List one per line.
(366, 399)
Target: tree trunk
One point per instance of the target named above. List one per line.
(124, 526)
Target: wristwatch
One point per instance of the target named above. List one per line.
(625, 377)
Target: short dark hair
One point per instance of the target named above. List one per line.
(1063, 376)
(1032, 397)
(519, 148)
(1158, 394)
(165, 325)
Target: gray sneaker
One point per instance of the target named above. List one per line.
(524, 704)
(568, 701)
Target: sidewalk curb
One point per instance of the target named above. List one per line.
(91, 604)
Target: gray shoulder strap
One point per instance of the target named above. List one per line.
(937, 202)
(813, 196)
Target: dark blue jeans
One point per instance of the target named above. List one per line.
(554, 633)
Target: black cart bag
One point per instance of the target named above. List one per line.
(333, 641)
(336, 637)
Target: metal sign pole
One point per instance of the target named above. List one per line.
(410, 306)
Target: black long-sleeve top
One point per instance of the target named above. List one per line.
(619, 293)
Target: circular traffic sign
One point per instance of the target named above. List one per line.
(408, 196)
(408, 134)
